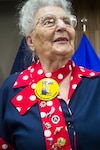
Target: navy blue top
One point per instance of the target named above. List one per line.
(25, 132)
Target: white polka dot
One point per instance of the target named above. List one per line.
(47, 133)
(49, 103)
(4, 146)
(81, 67)
(32, 70)
(53, 109)
(28, 108)
(59, 97)
(19, 97)
(60, 76)
(15, 83)
(73, 64)
(29, 68)
(32, 97)
(18, 108)
(71, 78)
(79, 75)
(83, 70)
(70, 67)
(48, 75)
(92, 74)
(74, 86)
(30, 83)
(60, 109)
(33, 85)
(43, 114)
(40, 71)
(25, 77)
(66, 128)
(21, 72)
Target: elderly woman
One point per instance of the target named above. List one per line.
(53, 104)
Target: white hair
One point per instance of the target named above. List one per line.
(30, 8)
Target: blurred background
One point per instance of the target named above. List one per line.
(10, 39)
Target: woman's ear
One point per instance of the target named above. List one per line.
(30, 42)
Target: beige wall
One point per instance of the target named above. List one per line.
(9, 37)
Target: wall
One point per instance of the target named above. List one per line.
(9, 37)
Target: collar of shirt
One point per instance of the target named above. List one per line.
(28, 79)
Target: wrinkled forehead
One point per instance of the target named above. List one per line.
(53, 10)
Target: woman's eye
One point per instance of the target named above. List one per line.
(49, 21)
(67, 22)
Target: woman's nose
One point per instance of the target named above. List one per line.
(60, 24)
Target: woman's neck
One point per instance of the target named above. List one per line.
(49, 66)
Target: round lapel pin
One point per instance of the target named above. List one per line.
(47, 89)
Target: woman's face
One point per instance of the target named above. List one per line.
(50, 41)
